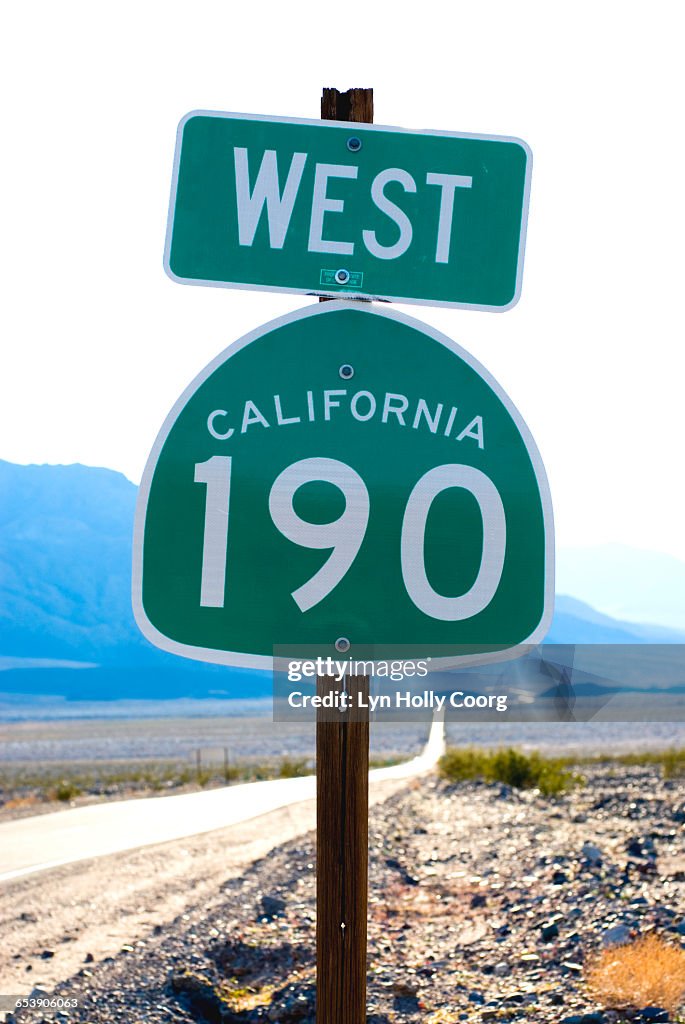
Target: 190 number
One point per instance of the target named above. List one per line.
(344, 536)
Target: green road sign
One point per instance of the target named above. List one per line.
(343, 472)
(333, 208)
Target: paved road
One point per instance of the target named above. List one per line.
(52, 840)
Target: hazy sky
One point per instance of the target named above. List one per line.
(98, 343)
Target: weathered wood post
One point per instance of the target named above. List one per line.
(342, 790)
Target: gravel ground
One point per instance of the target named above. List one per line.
(484, 905)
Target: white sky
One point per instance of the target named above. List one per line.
(97, 343)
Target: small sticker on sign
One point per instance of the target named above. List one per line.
(332, 279)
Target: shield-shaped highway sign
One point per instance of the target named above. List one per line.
(343, 472)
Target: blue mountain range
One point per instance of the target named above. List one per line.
(66, 625)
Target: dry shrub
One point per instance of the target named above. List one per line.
(523, 771)
(241, 1000)
(19, 802)
(648, 972)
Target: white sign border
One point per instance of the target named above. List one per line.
(359, 127)
(261, 661)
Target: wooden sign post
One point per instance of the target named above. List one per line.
(342, 822)
(342, 791)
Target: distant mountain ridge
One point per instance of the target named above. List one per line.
(65, 596)
(577, 622)
(645, 587)
(65, 542)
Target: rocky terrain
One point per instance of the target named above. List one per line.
(485, 904)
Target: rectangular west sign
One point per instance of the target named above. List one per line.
(337, 208)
